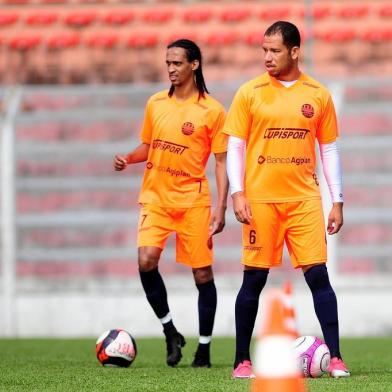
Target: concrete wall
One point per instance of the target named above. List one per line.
(75, 314)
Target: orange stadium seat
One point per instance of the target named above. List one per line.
(80, 18)
(105, 40)
(155, 15)
(8, 18)
(234, 14)
(62, 40)
(196, 15)
(41, 18)
(353, 11)
(275, 12)
(118, 17)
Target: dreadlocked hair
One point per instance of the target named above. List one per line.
(192, 53)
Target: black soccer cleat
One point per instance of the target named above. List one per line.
(174, 343)
(201, 360)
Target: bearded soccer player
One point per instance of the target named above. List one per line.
(273, 123)
(182, 126)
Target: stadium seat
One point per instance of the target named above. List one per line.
(54, 1)
(143, 40)
(317, 11)
(8, 18)
(234, 14)
(281, 12)
(355, 266)
(155, 15)
(385, 11)
(377, 34)
(336, 34)
(219, 37)
(254, 38)
(353, 11)
(171, 36)
(80, 18)
(118, 17)
(196, 15)
(105, 40)
(41, 18)
(24, 41)
(62, 40)
(16, 2)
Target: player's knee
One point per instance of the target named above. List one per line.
(202, 275)
(148, 259)
(317, 277)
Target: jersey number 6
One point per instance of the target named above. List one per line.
(252, 236)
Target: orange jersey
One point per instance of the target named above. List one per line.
(280, 126)
(181, 136)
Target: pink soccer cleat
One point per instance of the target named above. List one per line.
(337, 368)
(243, 370)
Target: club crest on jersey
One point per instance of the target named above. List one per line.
(307, 110)
(187, 128)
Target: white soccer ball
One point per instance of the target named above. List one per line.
(313, 355)
(116, 347)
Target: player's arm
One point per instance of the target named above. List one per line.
(330, 158)
(139, 154)
(235, 171)
(222, 186)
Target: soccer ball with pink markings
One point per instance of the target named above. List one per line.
(313, 355)
(116, 347)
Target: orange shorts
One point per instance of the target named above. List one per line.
(191, 225)
(298, 224)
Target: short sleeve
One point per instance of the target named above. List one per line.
(327, 131)
(219, 139)
(146, 131)
(238, 120)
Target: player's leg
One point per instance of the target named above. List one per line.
(262, 249)
(326, 307)
(307, 246)
(207, 301)
(246, 307)
(194, 248)
(151, 240)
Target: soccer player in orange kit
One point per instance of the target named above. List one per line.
(182, 126)
(273, 122)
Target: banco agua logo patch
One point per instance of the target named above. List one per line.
(187, 128)
(307, 110)
(298, 161)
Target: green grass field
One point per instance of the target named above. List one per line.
(70, 365)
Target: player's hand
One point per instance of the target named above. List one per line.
(217, 221)
(241, 208)
(335, 218)
(120, 163)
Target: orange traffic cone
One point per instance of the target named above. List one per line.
(276, 367)
(289, 311)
